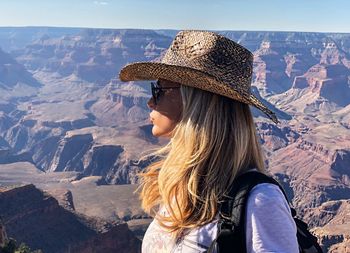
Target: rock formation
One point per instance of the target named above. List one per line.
(90, 59)
(12, 73)
(3, 235)
(35, 218)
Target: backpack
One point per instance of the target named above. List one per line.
(231, 233)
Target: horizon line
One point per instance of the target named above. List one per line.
(172, 29)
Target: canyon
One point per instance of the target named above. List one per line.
(72, 134)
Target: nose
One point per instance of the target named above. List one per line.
(150, 103)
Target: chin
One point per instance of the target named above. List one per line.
(157, 133)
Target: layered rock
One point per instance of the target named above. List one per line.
(95, 151)
(333, 232)
(92, 55)
(74, 192)
(70, 152)
(328, 82)
(334, 211)
(14, 78)
(273, 137)
(323, 88)
(35, 218)
(121, 104)
(12, 39)
(280, 57)
(321, 182)
(100, 159)
(333, 54)
(270, 77)
(64, 198)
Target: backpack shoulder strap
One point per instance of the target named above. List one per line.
(231, 227)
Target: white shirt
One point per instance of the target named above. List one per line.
(270, 228)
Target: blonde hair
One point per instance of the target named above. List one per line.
(214, 141)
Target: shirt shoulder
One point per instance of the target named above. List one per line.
(267, 193)
(270, 226)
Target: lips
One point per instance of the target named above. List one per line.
(151, 119)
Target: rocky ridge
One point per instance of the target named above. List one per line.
(52, 228)
(93, 55)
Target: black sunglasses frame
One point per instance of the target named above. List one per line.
(157, 90)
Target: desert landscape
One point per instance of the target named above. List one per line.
(72, 134)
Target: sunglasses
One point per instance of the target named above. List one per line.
(157, 90)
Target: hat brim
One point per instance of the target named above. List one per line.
(191, 77)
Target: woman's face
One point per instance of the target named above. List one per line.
(167, 112)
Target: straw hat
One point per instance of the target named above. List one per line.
(204, 60)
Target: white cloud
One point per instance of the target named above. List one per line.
(101, 2)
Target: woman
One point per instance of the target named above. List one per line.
(201, 103)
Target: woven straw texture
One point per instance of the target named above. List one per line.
(204, 60)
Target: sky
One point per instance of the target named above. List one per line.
(250, 15)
